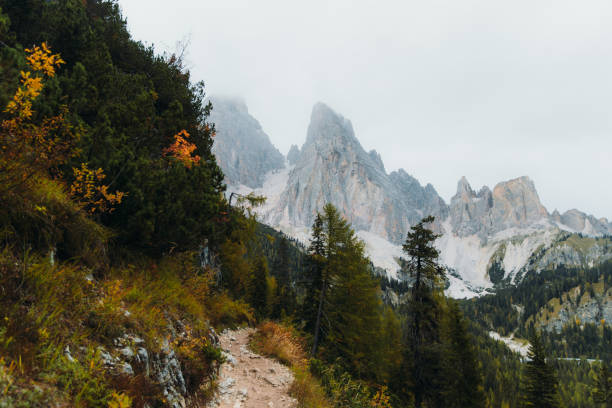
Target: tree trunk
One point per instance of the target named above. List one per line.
(315, 343)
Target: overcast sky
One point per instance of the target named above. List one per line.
(490, 90)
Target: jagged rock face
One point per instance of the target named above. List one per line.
(420, 201)
(334, 168)
(516, 204)
(244, 152)
(594, 307)
(470, 213)
(512, 204)
(293, 155)
(587, 224)
(377, 160)
(573, 251)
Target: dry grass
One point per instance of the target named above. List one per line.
(307, 390)
(284, 344)
(279, 342)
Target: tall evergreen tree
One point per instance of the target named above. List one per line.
(463, 378)
(319, 280)
(422, 359)
(348, 324)
(286, 296)
(602, 392)
(259, 286)
(539, 379)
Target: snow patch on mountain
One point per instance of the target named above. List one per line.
(381, 252)
(518, 346)
(459, 289)
(465, 255)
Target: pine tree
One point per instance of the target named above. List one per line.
(423, 349)
(259, 286)
(320, 281)
(539, 380)
(285, 294)
(463, 379)
(602, 392)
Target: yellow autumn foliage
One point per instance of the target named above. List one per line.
(88, 189)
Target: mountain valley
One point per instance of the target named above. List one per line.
(490, 237)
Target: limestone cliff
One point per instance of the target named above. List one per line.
(334, 168)
(243, 150)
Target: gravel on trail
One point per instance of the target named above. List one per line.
(248, 380)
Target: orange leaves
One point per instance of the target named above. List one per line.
(21, 104)
(42, 61)
(27, 147)
(89, 190)
(182, 149)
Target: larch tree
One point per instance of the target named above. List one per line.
(348, 320)
(602, 392)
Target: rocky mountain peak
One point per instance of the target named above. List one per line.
(584, 223)
(375, 156)
(243, 150)
(329, 126)
(230, 103)
(482, 229)
(293, 155)
(512, 203)
(334, 168)
(464, 190)
(517, 204)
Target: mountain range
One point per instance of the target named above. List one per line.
(493, 236)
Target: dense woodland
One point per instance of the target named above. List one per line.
(113, 219)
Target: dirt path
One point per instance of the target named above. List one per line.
(249, 380)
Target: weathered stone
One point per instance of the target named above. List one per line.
(244, 152)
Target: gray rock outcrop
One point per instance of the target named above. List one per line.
(243, 150)
(511, 204)
(293, 155)
(334, 168)
(584, 223)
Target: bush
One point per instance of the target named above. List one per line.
(42, 217)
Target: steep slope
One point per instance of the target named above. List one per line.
(333, 167)
(242, 148)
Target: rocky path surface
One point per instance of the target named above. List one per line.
(249, 380)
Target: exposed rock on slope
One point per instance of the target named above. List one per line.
(583, 223)
(592, 306)
(333, 167)
(294, 155)
(243, 150)
(512, 204)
